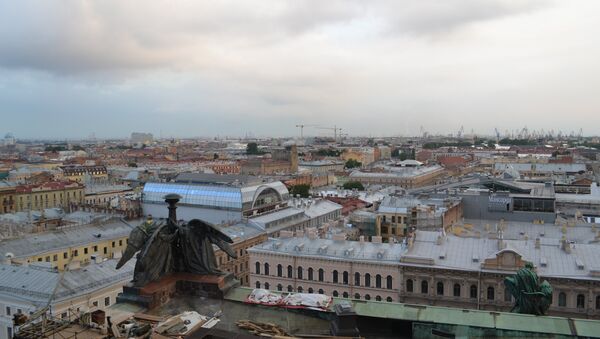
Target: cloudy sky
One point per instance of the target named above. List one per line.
(217, 68)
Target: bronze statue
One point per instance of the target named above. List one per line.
(173, 247)
(531, 296)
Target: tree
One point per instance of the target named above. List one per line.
(351, 163)
(301, 189)
(354, 184)
(252, 148)
(215, 156)
(132, 164)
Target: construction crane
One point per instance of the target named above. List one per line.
(301, 126)
(497, 135)
(460, 132)
(335, 131)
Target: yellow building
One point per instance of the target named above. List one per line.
(79, 173)
(78, 245)
(47, 195)
(7, 197)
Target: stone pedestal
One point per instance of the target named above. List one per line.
(182, 284)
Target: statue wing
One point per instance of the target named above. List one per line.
(222, 240)
(135, 242)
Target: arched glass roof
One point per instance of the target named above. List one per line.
(197, 195)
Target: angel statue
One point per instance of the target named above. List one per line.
(172, 247)
(531, 295)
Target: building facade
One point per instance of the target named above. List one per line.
(47, 195)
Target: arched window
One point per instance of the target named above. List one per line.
(279, 270)
(598, 302)
(310, 273)
(257, 268)
(321, 274)
(388, 282)
(580, 301)
(409, 285)
(345, 278)
(335, 294)
(335, 276)
(473, 291)
(356, 296)
(440, 288)
(290, 288)
(299, 289)
(321, 291)
(378, 281)
(367, 297)
(345, 295)
(267, 286)
(356, 279)
(310, 290)
(367, 280)
(299, 272)
(424, 287)
(258, 284)
(266, 268)
(388, 299)
(507, 295)
(378, 298)
(290, 271)
(279, 287)
(562, 299)
(456, 290)
(490, 293)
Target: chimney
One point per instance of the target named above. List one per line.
(172, 199)
(361, 239)
(299, 234)
(537, 243)
(339, 237)
(286, 234)
(376, 239)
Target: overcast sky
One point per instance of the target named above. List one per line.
(217, 68)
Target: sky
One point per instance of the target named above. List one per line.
(70, 69)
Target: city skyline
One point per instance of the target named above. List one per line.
(381, 69)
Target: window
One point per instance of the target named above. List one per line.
(257, 267)
(266, 268)
(75, 253)
(48, 259)
(473, 292)
(356, 296)
(388, 282)
(279, 270)
(490, 293)
(335, 276)
(8, 312)
(367, 280)
(378, 298)
(378, 281)
(107, 301)
(290, 271)
(299, 272)
(55, 257)
(440, 288)
(580, 301)
(507, 295)
(290, 288)
(456, 290)
(310, 290)
(335, 294)
(65, 255)
(9, 333)
(95, 248)
(113, 244)
(345, 278)
(598, 302)
(356, 279)
(299, 289)
(121, 242)
(367, 297)
(310, 273)
(321, 274)
(85, 250)
(267, 286)
(424, 287)
(105, 250)
(388, 299)
(321, 291)
(562, 299)
(345, 294)
(95, 303)
(409, 285)
(279, 287)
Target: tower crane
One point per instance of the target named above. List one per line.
(335, 131)
(301, 126)
(460, 132)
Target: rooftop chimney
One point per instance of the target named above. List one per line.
(376, 239)
(537, 243)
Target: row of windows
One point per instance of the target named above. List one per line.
(336, 294)
(75, 253)
(358, 279)
(579, 301)
(456, 290)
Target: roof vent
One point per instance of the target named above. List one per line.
(299, 247)
(380, 254)
(277, 245)
(443, 255)
(543, 262)
(475, 258)
(348, 252)
(322, 249)
(579, 264)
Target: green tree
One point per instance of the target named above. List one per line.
(252, 148)
(354, 184)
(301, 189)
(132, 164)
(351, 163)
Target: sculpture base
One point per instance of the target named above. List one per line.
(159, 292)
